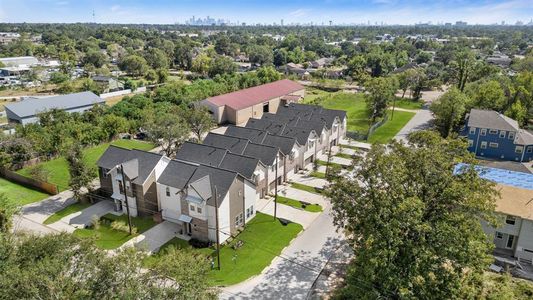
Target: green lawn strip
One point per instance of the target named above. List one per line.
(175, 242)
(263, 239)
(344, 155)
(353, 147)
(306, 188)
(355, 107)
(19, 194)
(318, 174)
(325, 163)
(387, 131)
(108, 238)
(298, 204)
(408, 104)
(58, 168)
(73, 208)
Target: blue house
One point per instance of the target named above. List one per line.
(493, 135)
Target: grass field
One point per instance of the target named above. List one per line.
(408, 103)
(73, 208)
(58, 167)
(306, 188)
(108, 238)
(387, 131)
(19, 194)
(354, 105)
(344, 155)
(299, 204)
(318, 174)
(311, 94)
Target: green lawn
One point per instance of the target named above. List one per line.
(355, 107)
(311, 94)
(20, 194)
(108, 238)
(408, 103)
(73, 208)
(58, 167)
(388, 130)
(263, 238)
(318, 174)
(306, 188)
(344, 155)
(325, 163)
(299, 204)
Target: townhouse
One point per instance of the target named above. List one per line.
(493, 135)
(514, 236)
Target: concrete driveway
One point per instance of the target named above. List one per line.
(421, 121)
(295, 215)
(84, 217)
(310, 180)
(155, 237)
(292, 274)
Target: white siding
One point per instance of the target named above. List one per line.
(223, 221)
(250, 199)
(170, 205)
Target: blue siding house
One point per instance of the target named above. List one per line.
(493, 135)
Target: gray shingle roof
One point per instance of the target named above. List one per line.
(202, 154)
(266, 154)
(33, 106)
(490, 119)
(222, 179)
(254, 135)
(177, 174)
(266, 125)
(241, 164)
(114, 156)
(231, 143)
(289, 119)
(284, 143)
(300, 134)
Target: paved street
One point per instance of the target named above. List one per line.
(292, 274)
(421, 120)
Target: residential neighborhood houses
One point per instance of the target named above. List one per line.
(221, 180)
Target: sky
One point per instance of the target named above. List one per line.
(268, 11)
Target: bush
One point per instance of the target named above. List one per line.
(39, 173)
(95, 221)
(122, 226)
(198, 243)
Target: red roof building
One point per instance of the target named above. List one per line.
(237, 107)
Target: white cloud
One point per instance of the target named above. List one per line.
(299, 12)
(115, 8)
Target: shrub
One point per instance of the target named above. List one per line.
(122, 226)
(95, 221)
(198, 243)
(39, 173)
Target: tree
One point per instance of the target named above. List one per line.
(486, 95)
(134, 65)
(462, 65)
(199, 120)
(58, 77)
(260, 55)
(268, 74)
(8, 209)
(357, 68)
(156, 58)
(415, 225)
(405, 80)
(280, 57)
(167, 131)
(80, 173)
(95, 58)
(380, 91)
(223, 45)
(112, 125)
(517, 112)
(64, 267)
(201, 64)
(222, 65)
(449, 110)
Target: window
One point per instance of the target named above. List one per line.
(199, 210)
(105, 173)
(247, 213)
(251, 210)
(167, 191)
(191, 207)
(472, 130)
(529, 149)
(470, 143)
(238, 219)
(493, 131)
(483, 145)
(499, 235)
(502, 134)
(493, 145)
(120, 187)
(511, 135)
(483, 131)
(510, 220)
(240, 192)
(510, 241)
(273, 167)
(518, 149)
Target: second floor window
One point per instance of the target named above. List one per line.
(518, 149)
(167, 191)
(511, 135)
(510, 220)
(493, 131)
(502, 134)
(191, 207)
(472, 130)
(483, 131)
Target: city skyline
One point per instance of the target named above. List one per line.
(339, 12)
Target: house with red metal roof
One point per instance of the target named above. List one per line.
(237, 107)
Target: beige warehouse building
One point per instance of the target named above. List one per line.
(238, 107)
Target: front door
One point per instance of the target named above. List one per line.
(188, 228)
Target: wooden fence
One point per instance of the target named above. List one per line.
(30, 182)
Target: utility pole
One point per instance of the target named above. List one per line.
(126, 196)
(217, 229)
(329, 157)
(276, 187)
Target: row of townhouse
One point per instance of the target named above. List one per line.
(493, 135)
(222, 177)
